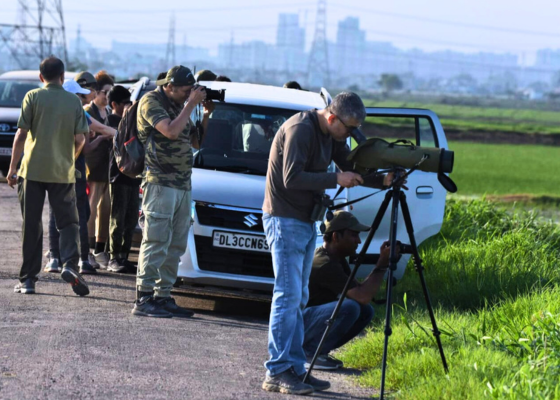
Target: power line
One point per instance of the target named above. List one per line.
(447, 22)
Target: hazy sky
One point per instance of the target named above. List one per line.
(519, 27)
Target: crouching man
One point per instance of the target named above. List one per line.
(329, 274)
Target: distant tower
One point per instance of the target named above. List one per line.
(318, 68)
(45, 36)
(170, 54)
(231, 44)
(78, 41)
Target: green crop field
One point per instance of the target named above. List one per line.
(465, 118)
(506, 169)
(493, 277)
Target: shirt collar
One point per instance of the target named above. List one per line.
(54, 85)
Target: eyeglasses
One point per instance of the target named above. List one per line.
(104, 91)
(349, 128)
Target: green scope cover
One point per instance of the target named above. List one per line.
(377, 153)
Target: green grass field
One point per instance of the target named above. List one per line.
(506, 169)
(462, 117)
(493, 277)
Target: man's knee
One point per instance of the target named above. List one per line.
(351, 310)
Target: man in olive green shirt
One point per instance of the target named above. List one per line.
(50, 135)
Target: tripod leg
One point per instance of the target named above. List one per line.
(392, 267)
(420, 269)
(330, 321)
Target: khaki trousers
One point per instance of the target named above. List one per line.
(100, 205)
(167, 219)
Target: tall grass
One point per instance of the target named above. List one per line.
(493, 278)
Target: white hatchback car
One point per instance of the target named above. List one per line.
(227, 245)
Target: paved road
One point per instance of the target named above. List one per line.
(55, 345)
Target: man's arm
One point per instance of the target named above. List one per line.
(172, 129)
(105, 130)
(208, 109)
(366, 290)
(17, 152)
(79, 141)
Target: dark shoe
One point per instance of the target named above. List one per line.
(148, 307)
(87, 269)
(54, 265)
(115, 265)
(169, 305)
(79, 286)
(131, 268)
(286, 382)
(317, 384)
(324, 362)
(25, 287)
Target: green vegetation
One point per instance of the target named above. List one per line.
(465, 118)
(506, 169)
(493, 276)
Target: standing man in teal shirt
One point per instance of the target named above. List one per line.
(50, 134)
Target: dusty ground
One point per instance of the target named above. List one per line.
(55, 345)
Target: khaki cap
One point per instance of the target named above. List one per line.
(342, 220)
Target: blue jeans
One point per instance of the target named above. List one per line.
(351, 320)
(292, 244)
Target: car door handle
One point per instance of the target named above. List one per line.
(424, 191)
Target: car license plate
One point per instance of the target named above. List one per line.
(240, 241)
(5, 151)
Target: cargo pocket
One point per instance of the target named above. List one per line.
(157, 227)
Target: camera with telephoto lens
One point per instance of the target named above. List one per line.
(322, 203)
(405, 248)
(212, 94)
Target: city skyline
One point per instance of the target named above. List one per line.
(465, 26)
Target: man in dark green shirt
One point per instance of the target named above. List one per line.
(50, 134)
(329, 274)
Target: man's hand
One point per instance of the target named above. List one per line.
(349, 179)
(197, 96)
(12, 178)
(388, 180)
(209, 107)
(384, 254)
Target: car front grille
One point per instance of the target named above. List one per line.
(231, 261)
(229, 218)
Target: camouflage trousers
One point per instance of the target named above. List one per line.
(167, 219)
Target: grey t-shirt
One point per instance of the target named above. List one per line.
(297, 166)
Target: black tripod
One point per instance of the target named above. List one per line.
(398, 197)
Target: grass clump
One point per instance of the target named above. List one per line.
(493, 278)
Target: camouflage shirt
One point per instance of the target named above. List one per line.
(168, 162)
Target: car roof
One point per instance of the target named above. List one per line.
(268, 96)
(30, 75)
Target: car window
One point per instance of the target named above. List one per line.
(13, 92)
(239, 137)
(418, 130)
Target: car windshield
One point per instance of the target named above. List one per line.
(239, 138)
(13, 92)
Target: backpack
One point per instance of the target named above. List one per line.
(128, 150)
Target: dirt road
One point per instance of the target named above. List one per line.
(55, 345)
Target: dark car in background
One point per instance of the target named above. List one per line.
(13, 87)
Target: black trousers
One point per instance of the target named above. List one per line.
(83, 214)
(124, 218)
(62, 197)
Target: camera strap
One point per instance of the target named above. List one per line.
(348, 203)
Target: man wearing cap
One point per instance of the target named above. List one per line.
(50, 133)
(297, 176)
(165, 128)
(329, 274)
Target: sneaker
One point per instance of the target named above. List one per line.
(25, 287)
(148, 307)
(79, 286)
(92, 261)
(169, 305)
(87, 269)
(131, 268)
(286, 382)
(318, 384)
(324, 362)
(102, 259)
(115, 265)
(53, 265)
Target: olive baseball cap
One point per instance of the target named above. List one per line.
(342, 220)
(85, 78)
(178, 76)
